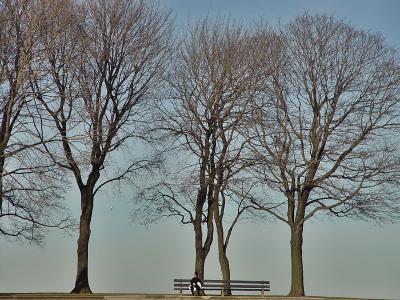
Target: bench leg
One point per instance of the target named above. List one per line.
(262, 293)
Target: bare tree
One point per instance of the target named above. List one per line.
(211, 87)
(104, 61)
(326, 126)
(30, 189)
(232, 79)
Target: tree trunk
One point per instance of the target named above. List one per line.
(82, 280)
(202, 248)
(200, 257)
(201, 252)
(199, 264)
(1, 181)
(296, 247)
(223, 259)
(226, 271)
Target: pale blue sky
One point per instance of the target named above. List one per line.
(341, 257)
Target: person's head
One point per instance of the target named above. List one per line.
(196, 274)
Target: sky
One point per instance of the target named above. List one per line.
(341, 257)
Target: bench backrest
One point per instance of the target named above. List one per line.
(236, 285)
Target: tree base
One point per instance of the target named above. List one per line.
(81, 290)
(296, 294)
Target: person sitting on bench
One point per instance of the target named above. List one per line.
(195, 284)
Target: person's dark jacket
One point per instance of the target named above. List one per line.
(196, 283)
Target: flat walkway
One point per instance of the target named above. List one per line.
(61, 296)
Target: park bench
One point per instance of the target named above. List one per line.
(222, 285)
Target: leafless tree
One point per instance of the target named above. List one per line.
(233, 76)
(104, 61)
(30, 189)
(212, 84)
(326, 126)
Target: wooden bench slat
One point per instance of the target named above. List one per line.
(223, 281)
(249, 290)
(236, 289)
(232, 286)
(237, 281)
(225, 284)
(238, 286)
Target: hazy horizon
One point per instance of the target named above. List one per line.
(341, 257)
